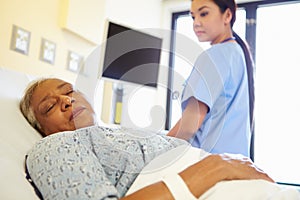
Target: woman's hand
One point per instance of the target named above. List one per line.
(220, 167)
(242, 168)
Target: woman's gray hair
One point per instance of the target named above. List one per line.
(25, 104)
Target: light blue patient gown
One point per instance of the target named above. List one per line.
(219, 79)
(94, 162)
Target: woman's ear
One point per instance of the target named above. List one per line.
(227, 16)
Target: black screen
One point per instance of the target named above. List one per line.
(131, 55)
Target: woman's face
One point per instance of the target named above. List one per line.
(57, 107)
(210, 25)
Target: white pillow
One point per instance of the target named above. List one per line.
(16, 137)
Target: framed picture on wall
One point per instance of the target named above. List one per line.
(20, 40)
(47, 51)
(74, 61)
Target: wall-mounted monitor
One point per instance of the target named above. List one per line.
(131, 55)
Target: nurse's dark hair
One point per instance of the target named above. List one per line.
(231, 5)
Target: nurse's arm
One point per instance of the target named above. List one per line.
(191, 120)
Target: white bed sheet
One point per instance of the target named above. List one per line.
(178, 159)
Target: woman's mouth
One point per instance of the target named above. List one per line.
(76, 112)
(199, 33)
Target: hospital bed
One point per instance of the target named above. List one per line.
(17, 137)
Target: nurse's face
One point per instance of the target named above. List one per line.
(57, 107)
(210, 25)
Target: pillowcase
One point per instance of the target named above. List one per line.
(16, 137)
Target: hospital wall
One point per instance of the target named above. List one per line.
(73, 25)
(78, 26)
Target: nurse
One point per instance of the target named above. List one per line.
(217, 100)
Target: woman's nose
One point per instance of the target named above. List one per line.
(196, 22)
(67, 102)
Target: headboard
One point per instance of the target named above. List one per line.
(16, 137)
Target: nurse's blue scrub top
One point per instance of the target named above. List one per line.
(219, 79)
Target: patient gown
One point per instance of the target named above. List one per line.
(94, 162)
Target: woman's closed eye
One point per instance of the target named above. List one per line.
(68, 90)
(49, 108)
(46, 108)
(48, 105)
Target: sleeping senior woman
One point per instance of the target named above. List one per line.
(77, 159)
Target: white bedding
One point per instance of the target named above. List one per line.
(178, 159)
(16, 137)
